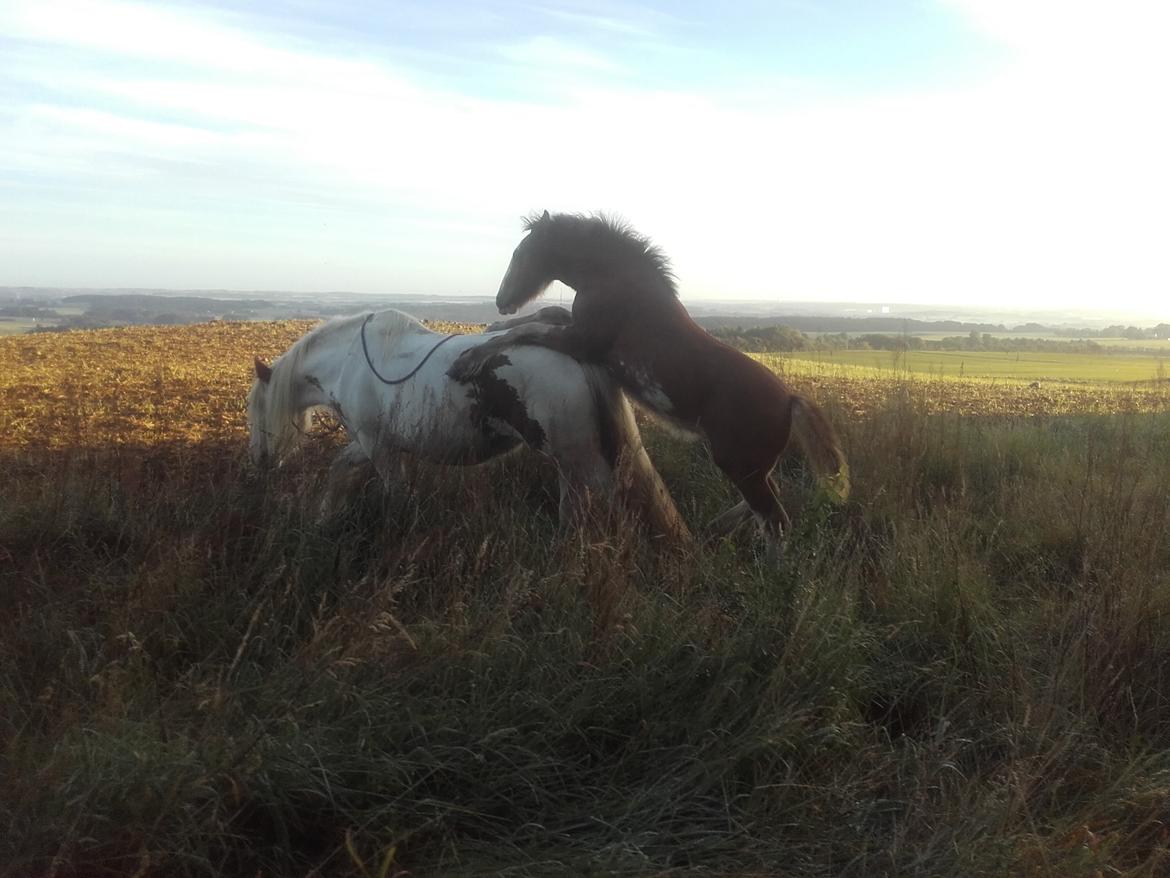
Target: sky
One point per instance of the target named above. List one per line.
(974, 152)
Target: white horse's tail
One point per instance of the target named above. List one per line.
(639, 485)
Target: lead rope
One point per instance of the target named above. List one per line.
(414, 371)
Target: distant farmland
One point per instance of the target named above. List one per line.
(166, 383)
(1022, 365)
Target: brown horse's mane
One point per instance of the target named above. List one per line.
(607, 238)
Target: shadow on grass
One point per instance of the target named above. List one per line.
(960, 673)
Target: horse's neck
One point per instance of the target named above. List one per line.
(596, 278)
(614, 301)
(319, 367)
(585, 276)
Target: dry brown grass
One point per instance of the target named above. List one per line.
(144, 385)
(149, 385)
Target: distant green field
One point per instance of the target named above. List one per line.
(1139, 344)
(15, 326)
(1023, 365)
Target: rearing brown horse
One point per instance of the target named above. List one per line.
(627, 316)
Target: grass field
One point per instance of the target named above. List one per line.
(1023, 366)
(1116, 342)
(964, 671)
(861, 390)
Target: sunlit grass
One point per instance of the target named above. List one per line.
(860, 388)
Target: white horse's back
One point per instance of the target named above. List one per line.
(533, 395)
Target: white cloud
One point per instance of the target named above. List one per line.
(550, 52)
(201, 43)
(1058, 27)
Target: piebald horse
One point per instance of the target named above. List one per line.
(627, 317)
(384, 376)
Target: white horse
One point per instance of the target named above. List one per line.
(384, 376)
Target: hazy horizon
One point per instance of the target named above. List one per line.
(961, 153)
(938, 310)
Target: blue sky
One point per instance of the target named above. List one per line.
(962, 151)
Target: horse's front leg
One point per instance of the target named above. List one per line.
(564, 339)
(350, 469)
(554, 315)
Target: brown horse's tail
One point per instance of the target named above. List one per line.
(639, 486)
(821, 446)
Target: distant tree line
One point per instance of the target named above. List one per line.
(762, 339)
(1134, 333)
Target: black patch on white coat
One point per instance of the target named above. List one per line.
(493, 398)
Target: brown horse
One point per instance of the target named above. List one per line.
(627, 316)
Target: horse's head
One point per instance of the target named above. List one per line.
(277, 415)
(531, 269)
(260, 437)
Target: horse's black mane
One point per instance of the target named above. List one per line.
(614, 236)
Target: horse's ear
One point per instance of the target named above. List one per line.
(263, 371)
(544, 217)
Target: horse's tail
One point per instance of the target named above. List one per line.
(821, 446)
(639, 485)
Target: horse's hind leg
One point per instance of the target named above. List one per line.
(776, 537)
(644, 494)
(774, 520)
(726, 523)
(581, 487)
(761, 498)
(749, 465)
(573, 509)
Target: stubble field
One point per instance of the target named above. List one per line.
(147, 385)
(1022, 366)
(963, 671)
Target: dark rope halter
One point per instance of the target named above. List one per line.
(412, 372)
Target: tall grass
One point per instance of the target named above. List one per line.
(965, 671)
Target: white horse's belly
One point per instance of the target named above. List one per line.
(436, 425)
